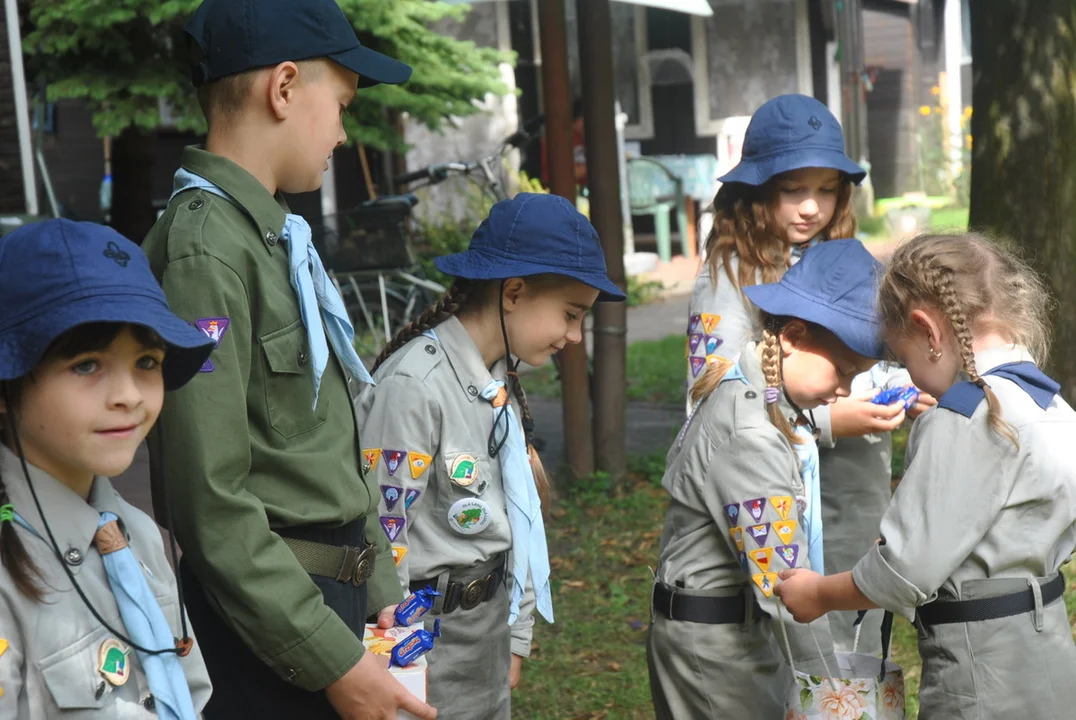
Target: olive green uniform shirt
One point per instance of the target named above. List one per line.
(245, 453)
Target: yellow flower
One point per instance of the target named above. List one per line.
(935, 91)
(967, 141)
(924, 110)
(967, 112)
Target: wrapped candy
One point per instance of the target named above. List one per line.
(414, 646)
(908, 395)
(415, 606)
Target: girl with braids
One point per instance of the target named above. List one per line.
(974, 537)
(448, 433)
(91, 621)
(792, 190)
(737, 487)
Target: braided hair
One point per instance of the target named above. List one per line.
(461, 296)
(969, 278)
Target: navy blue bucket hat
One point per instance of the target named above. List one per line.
(835, 285)
(57, 274)
(788, 133)
(534, 234)
(239, 35)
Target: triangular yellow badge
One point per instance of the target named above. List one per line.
(371, 456)
(709, 322)
(398, 552)
(737, 536)
(765, 582)
(782, 504)
(785, 529)
(419, 464)
(762, 558)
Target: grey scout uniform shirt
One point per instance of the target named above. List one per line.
(246, 454)
(733, 478)
(427, 406)
(50, 666)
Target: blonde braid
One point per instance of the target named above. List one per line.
(771, 369)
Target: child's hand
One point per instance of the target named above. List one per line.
(924, 403)
(386, 618)
(856, 415)
(798, 590)
(514, 671)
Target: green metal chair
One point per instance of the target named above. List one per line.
(653, 189)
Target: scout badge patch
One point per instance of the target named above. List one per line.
(712, 344)
(392, 526)
(743, 561)
(398, 552)
(464, 470)
(709, 322)
(693, 341)
(785, 529)
(469, 516)
(693, 323)
(715, 359)
(732, 512)
(371, 457)
(419, 464)
(393, 458)
(113, 662)
(756, 507)
(410, 496)
(765, 582)
(214, 329)
(759, 533)
(737, 536)
(762, 558)
(788, 553)
(697, 364)
(783, 505)
(391, 495)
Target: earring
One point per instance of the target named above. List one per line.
(935, 355)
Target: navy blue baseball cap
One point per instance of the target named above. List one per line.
(835, 285)
(534, 234)
(788, 133)
(56, 275)
(239, 35)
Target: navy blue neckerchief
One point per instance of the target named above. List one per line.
(964, 397)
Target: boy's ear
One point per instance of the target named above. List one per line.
(283, 79)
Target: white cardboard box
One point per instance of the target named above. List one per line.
(412, 677)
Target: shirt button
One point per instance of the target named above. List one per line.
(301, 357)
(472, 390)
(291, 674)
(195, 204)
(73, 556)
(149, 703)
(271, 237)
(750, 395)
(431, 350)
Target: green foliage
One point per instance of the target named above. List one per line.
(641, 292)
(124, 56)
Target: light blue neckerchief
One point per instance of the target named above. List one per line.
(319, 300)
(529, 549)
(146, 626)
(807, 452)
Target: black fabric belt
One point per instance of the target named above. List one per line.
(990, 608)
(340, 554)
(677, 604)
(468, 596)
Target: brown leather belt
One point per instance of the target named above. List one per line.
(468, 596)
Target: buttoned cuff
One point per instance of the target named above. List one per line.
(522, 633)
(885, 587)
(824, 425)
(322, 658)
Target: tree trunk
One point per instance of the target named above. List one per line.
(132, 184)
(1023, 182)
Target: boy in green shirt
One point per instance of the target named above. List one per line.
(283, 557)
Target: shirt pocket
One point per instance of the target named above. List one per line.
(289, 382)
(71, 676)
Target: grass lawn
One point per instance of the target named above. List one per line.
(591, 664)
(656, 373)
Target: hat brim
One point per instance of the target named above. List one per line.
(372, 67)
(861, 333)
(472, 265)
(758, 171)
(187, 348)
